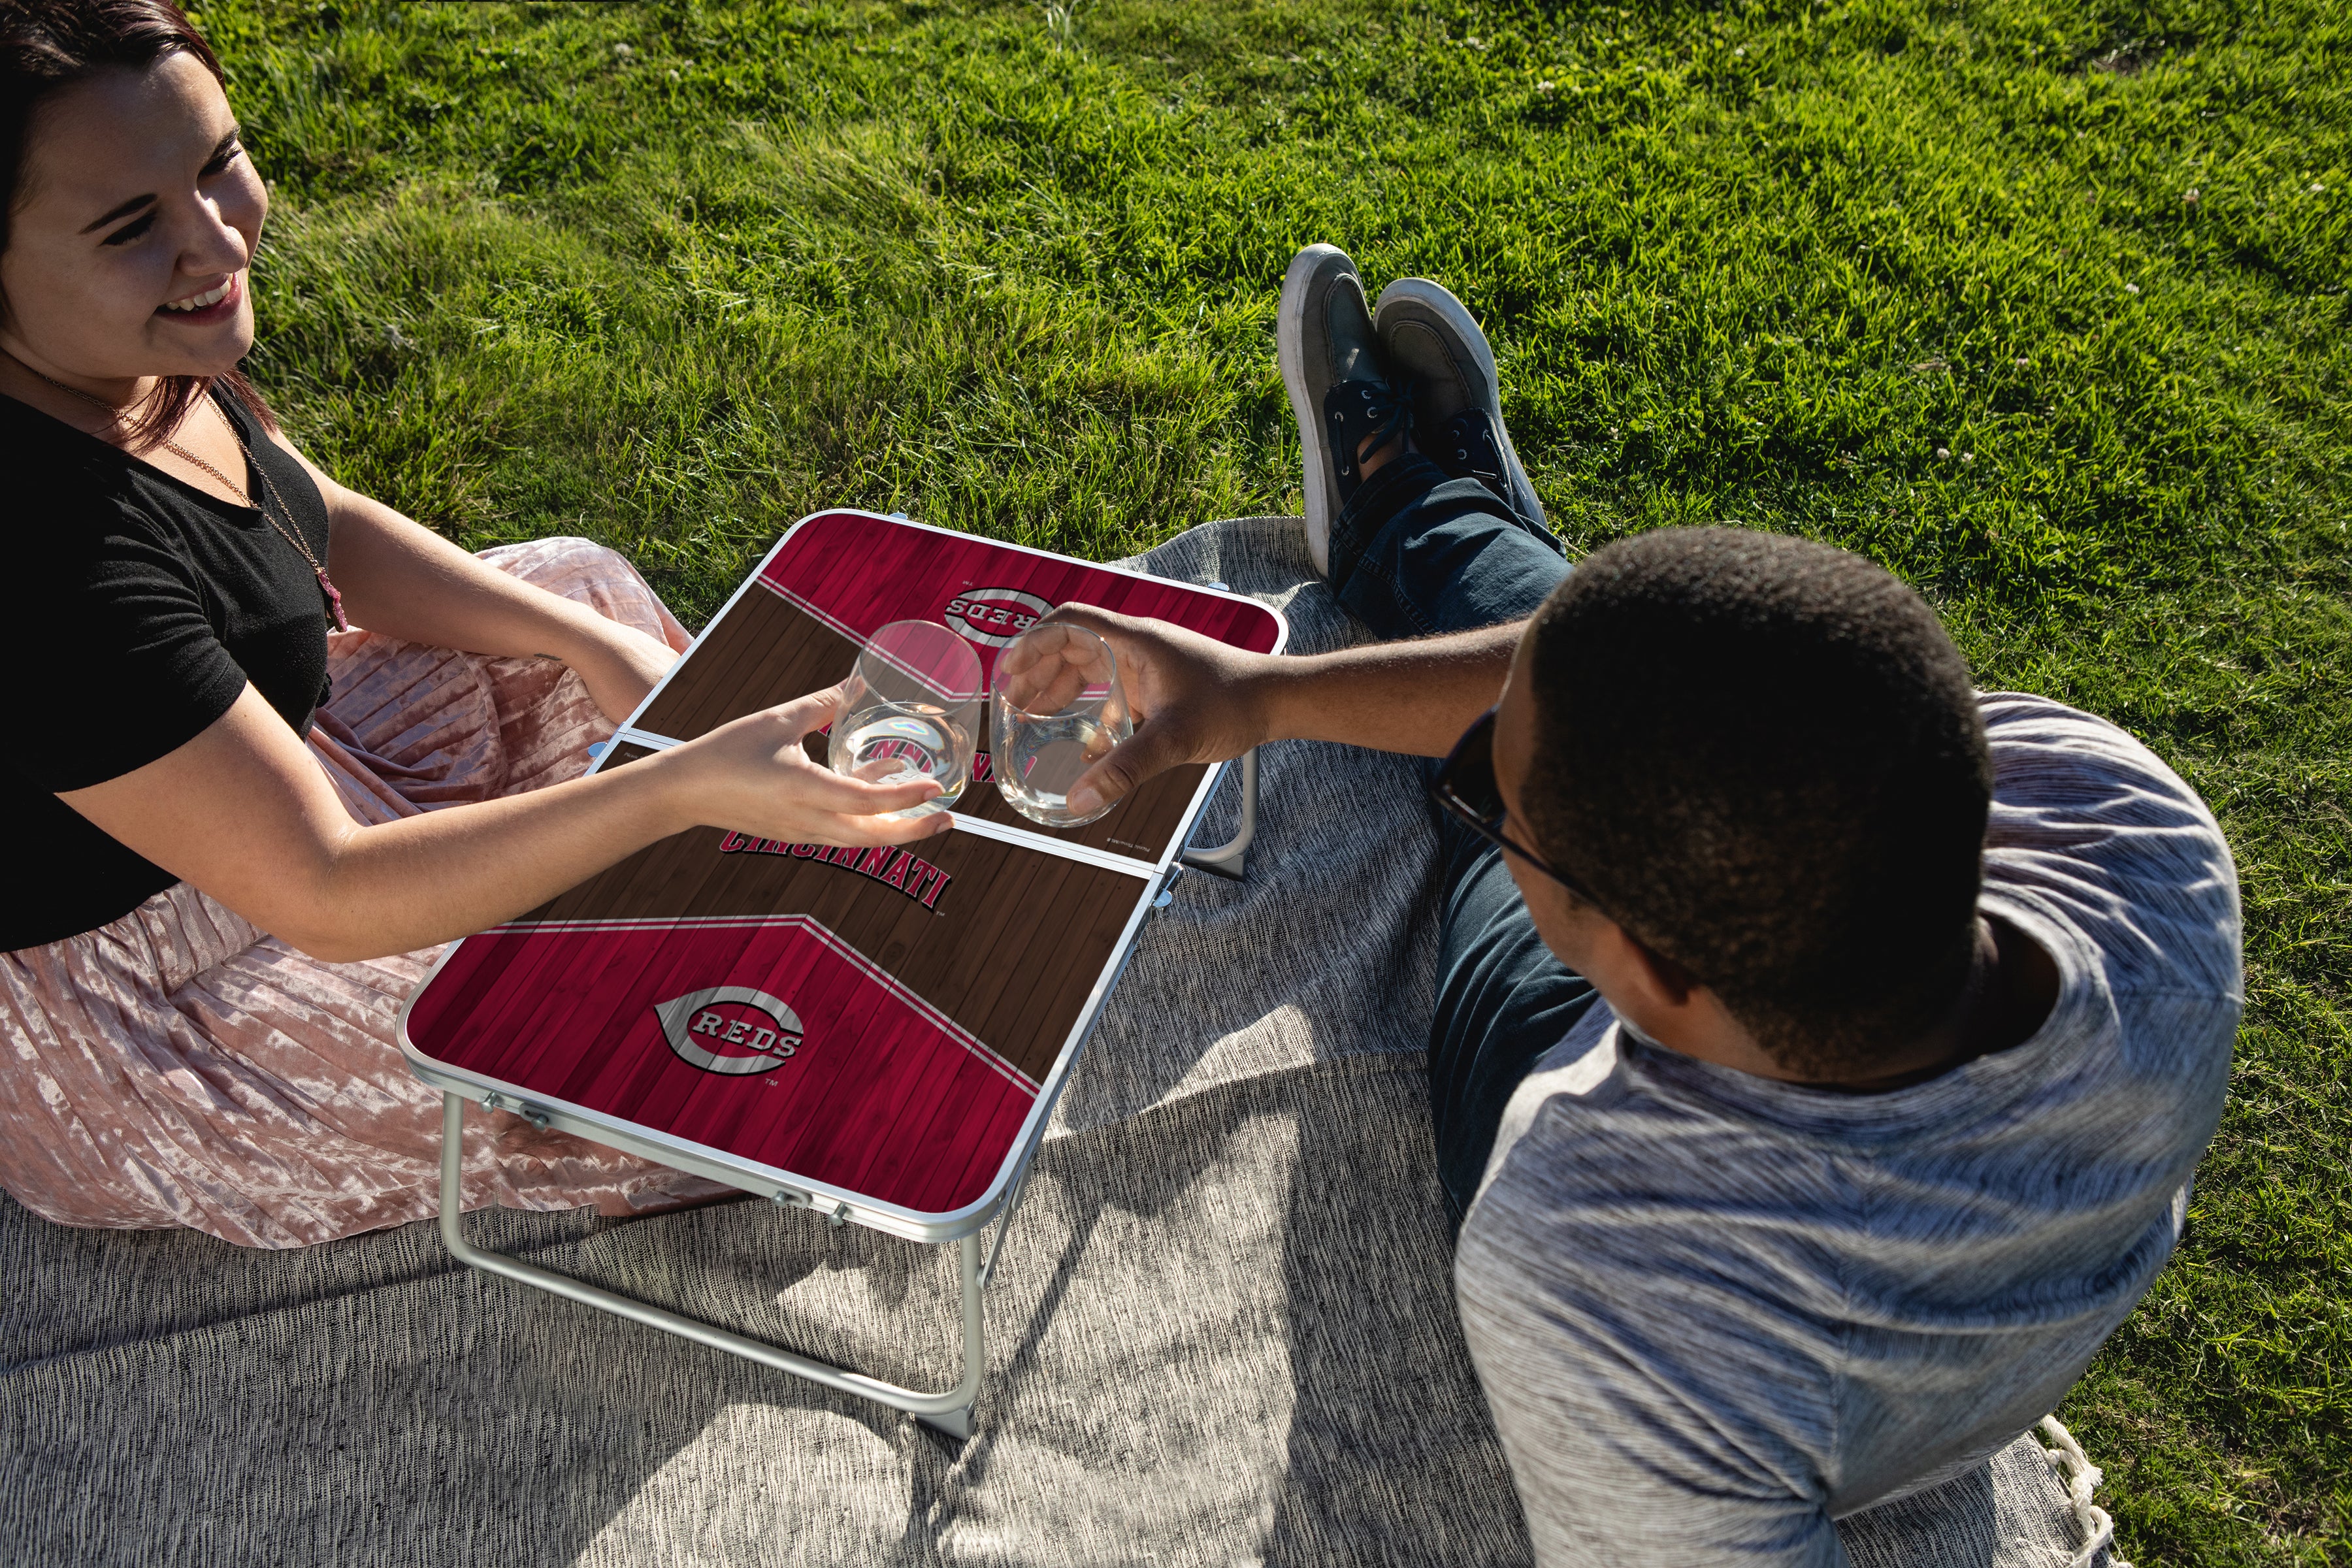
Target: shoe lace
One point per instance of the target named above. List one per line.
(1385, 409)
(1402, 417)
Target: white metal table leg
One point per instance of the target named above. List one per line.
(1228, 859)
(950, 1412)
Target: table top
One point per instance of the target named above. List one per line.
(882, 1029)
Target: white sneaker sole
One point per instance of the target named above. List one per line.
(1290, 352)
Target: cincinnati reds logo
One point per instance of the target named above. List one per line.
(730, 1030)
(994, 616)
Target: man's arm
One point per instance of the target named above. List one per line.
(1198, 701)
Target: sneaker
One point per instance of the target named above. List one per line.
(1435, 343)
(1338, 379)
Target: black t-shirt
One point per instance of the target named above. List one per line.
(144, 606)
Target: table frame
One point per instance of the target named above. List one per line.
(949, 1411)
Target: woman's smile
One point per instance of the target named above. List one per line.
(217, 304)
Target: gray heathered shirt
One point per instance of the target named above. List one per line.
(1715, 1312)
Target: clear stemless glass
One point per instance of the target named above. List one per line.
(913, 712)
(1057, 708)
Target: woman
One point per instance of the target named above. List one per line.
(200, 760)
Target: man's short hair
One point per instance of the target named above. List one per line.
(1764, 757)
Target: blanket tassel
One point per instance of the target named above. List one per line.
(2074, 1468)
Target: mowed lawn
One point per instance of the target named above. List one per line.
(2041, 304)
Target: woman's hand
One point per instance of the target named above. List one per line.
(619, 664)
(754, 777)
(1195, 701)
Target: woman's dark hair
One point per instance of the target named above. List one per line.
(1764, 757)
(48, 46)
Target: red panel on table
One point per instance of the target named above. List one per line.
(856, 573)
(880, 1095)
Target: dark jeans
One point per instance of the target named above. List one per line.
(1414, 554)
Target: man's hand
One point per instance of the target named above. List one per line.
(1195, 701)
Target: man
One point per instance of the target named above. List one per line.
(1822, 1051)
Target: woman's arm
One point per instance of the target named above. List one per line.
(244, 813)
(400, 578)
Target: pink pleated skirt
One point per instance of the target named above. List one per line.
(181, 1068)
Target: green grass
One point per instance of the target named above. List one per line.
(1013, 269)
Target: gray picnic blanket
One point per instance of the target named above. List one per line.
(1223, 1330)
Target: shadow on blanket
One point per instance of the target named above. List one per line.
(1223, 1330)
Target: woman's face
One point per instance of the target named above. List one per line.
(136, 218)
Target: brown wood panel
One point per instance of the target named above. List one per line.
(764, 651)
(760, 651)
(1017, 940)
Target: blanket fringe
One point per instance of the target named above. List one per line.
(2081, 1478)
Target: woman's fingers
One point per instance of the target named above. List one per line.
(840, 829)
(849, 829)
(823, 807)
(821, 789)
(814, 711)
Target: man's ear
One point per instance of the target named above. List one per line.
(1674, 983)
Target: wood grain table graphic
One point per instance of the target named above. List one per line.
(877, 1034)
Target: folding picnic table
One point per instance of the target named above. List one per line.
(876, 1035)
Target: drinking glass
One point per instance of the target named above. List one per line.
(1057, 708)
(914, 712)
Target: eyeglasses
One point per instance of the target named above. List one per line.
(1464, 787)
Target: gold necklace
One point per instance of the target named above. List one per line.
(292, 535)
